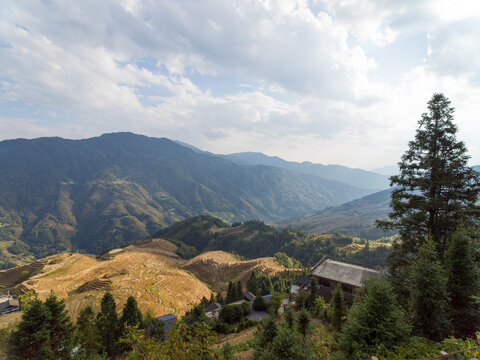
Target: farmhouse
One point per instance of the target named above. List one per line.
(329, 273)
(213, 310)
(168, 323)
(8, 305)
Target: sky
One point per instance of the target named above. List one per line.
(331, 82)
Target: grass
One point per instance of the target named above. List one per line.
(5, 244)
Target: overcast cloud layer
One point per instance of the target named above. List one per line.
(326, 81)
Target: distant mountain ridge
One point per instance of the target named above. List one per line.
(355, 218)
(57, 194)
(355, 177)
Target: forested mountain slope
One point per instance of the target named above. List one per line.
(57, 194)
(355, 177)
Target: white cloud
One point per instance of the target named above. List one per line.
(301, 75)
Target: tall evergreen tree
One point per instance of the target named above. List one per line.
(428, 295)
(108, 325)
(266, 286)
(303, 321)
(62, 331)
(338, 308)
(31, 339)
(252, 285)
(231, 293)
(434, 192)
(463, 284)
(88, 336)
(131, 315)
(373, 320)
(312, 296)
(239, 291)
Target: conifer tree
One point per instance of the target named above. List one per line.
(373, 320)
(266, 285)
(239, 291)
(313, 293)
(435, 191)
(289, 316)
(31, 339)
(231, 293)
(338, 308)
(267, 332)
(88, 336)
(462, 284)
(252, 285)
(131, 315)
(428, 295)
(108, 324)
(303, 321)
(62, 331)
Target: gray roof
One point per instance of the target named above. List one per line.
(267, 297)
(9, 303)
(213, 306)
(303, 280)
(342, 272)
(249, 296)
(167, 318)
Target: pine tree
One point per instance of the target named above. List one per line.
(462, 284)
(267, 332)
(303, 321)
(313, 293)
(338, 308)
(108, 325)
(231, 293)
(435, 191)
(266, 285)
(428, 295)
(289, 317)
(286, 345)
(31, 340)
(376, 319)
(252, 285)
(88, 336)
(239, 291)
(62, 331)
(131, 315)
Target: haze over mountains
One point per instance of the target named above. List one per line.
(57, 194)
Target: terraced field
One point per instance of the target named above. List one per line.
(152, 272)
(217, 268)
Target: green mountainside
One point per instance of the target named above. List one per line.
(355, 218)
(253, 239)
(57, 194)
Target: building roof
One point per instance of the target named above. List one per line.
(342, 272)
(267, 297)
(249, 296)
(167, 318)
(9, 303)
(303, 280)
(213, 306)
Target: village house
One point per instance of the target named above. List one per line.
(8, 305)
(329, 273)
(213, 310)
(168, 323)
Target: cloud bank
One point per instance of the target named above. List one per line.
(322, 80)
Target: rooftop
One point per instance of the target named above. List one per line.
(213, 306)
(167, 318)
(342, 272)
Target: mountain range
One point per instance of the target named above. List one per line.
(58, 194)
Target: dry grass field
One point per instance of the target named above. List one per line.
(217, 268)
(152, 272)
